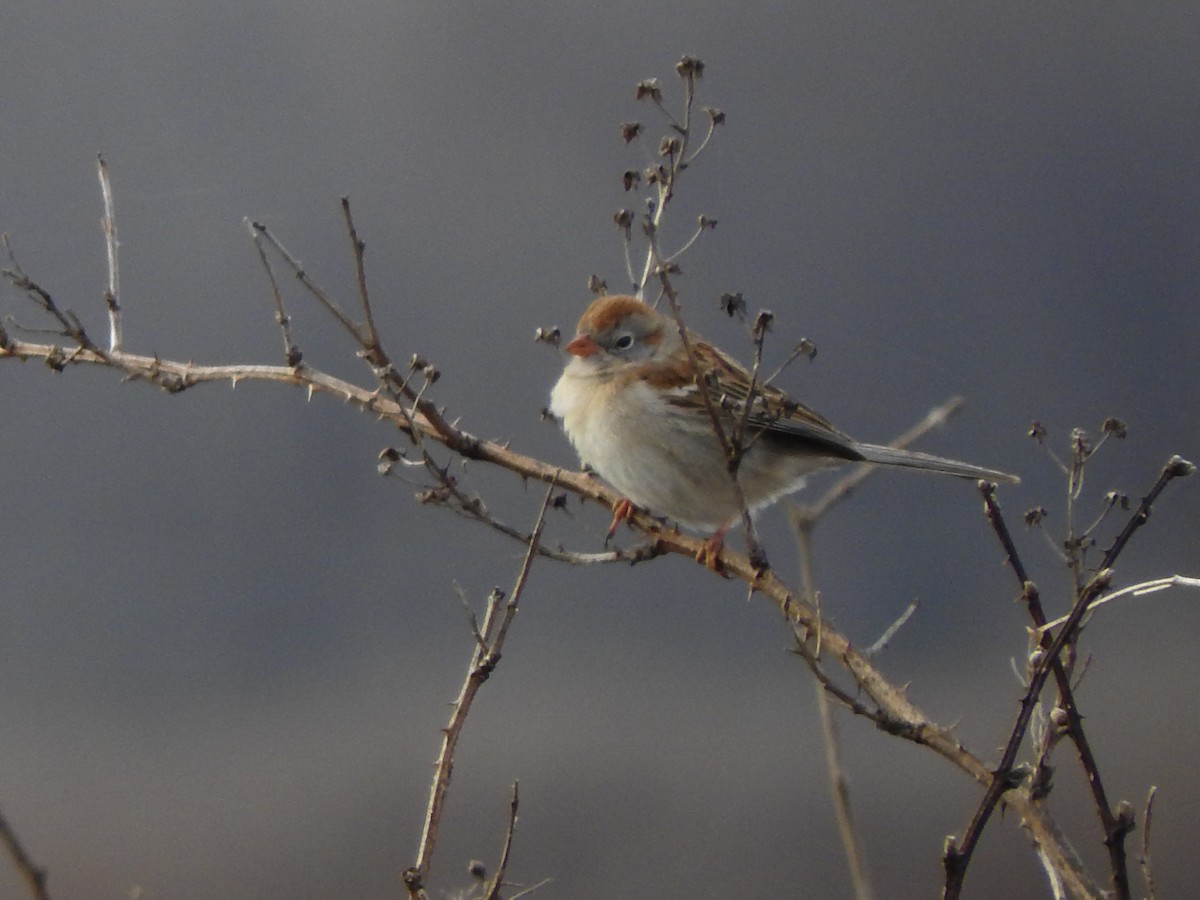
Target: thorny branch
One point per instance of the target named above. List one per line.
(485, 656)
(1048, 659)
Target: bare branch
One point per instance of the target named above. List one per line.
(485, 655)
(291, 352)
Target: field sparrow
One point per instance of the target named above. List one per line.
(629, 401)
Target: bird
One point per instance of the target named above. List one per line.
(638, 403)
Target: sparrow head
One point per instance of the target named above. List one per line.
(619, 330)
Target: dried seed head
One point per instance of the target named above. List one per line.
(1035, 516)
(733, 305)
(1081, 444)
(648, 87)
(630, 130)
(806, 348)
(1115, 427)
(763, 321)
(1037, 431)
(716, 115)
(1115, 498)
(597, 285)
(631, 179)
(1179, 467)
(690, 67)
(550, 336)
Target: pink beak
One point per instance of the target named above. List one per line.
(582, 345)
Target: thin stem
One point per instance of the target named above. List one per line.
(112, 294)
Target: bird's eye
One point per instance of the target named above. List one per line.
(624, 342)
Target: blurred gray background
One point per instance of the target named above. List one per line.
(227, 646)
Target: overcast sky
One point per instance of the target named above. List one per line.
(227, 646)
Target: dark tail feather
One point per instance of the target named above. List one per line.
(912, 459)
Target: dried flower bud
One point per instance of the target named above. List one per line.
(690, 67)
(631, 179)
(550, 336)
(706, 222)
(1037, 431)
(630, 130)
(1115, 498)
(805, 347)
(476, 869)
(1035, 516)
(763, 321)
(1081, 444)
(431, 373)
(717, 116)
(670, 146)
(1179, 467)
(1059, 718)
(649, 88)
(624, 220)
(733, 305)
(1115, 427)
(597, 285)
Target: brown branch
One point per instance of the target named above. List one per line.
(1116, 825)
(485, 656)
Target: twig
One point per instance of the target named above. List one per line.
(302, 276)
(485, 655)
(1153, 586)
(360, 247)
(1048, 660)
(1146, 866)
(839, 787)
(291, 352)
(33, 875)
(497, 881)
(112, 295)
